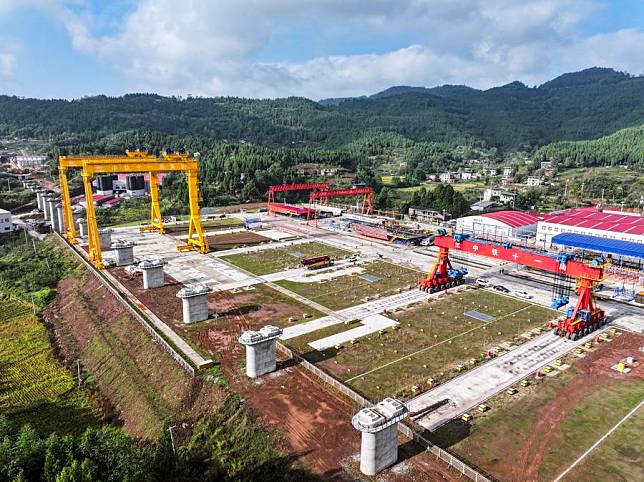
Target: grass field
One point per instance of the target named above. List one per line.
(278, 259)
(350, 290)
(34, 387)
(432, 339)
(548, 425)
(459, 186)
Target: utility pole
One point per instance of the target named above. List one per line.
(78, 371)
(172, 438)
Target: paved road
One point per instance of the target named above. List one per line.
(477, 385)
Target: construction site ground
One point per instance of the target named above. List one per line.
(431, 340)
(222, 242)
(270, 261)
(252, 308)
(373, 279)
(423, 335)
(541, 430)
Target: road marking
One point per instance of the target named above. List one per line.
(574, 464)
(432, 346)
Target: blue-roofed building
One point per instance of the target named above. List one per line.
(614, 247)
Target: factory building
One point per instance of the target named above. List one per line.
(135, 185)
(591, 221)
(499, 225)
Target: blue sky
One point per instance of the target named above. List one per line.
(274, 48)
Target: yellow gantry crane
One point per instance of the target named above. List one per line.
(134, 161)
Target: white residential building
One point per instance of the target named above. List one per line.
(6, 224)
(30, 162)
(447, 177)
(507, 171)
(504, 197)
(533, 181)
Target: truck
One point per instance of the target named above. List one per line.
(317, 262)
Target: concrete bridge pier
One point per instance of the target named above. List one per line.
(260, 350)
(195, 303)
(379, 427)
(152, 273)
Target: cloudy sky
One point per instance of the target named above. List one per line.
(312, 48)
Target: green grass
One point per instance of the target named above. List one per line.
(616, 459)
(268, 261)
(421, 347)
(350, 290)
(34, 386)
(459, 186)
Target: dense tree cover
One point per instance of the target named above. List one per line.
(625, 146)
(442, 197)
(227, 445)
(31, 268)
(581, 105)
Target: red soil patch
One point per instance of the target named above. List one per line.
(593, 370)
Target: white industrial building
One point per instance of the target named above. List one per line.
(6, 224)
(604, 223)
(499, 225)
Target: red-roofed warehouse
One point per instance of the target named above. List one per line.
(498, 225)
(606, 223)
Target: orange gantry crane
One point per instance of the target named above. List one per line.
(580, 320)
(134, 161)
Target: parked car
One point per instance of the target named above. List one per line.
(501, 288)
(483, 282)
(522, 294)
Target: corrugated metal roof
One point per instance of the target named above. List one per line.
(514, 219)
(604, 245)
(590, 218)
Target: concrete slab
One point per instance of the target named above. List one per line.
(370, 324)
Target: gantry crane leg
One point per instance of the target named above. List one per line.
(195, 217)
(68, 218)
(94, 249)
(156, 222)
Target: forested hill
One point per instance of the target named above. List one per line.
(582, 105)
(625, 146)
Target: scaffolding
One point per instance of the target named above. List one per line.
(135, 161)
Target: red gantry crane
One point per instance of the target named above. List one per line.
(366, 193)
(580, 320)
(274, 207)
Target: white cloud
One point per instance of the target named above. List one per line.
(215, 48)
(7, 64)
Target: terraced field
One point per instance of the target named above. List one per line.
(32, 381)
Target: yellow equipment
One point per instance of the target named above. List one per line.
(135, 161)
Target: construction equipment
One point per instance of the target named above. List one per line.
(322, 197)
(281, 208)
(317, 262)
(580, 320)
(135, 161)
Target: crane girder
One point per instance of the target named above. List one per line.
(135, 161)
(572, 268)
